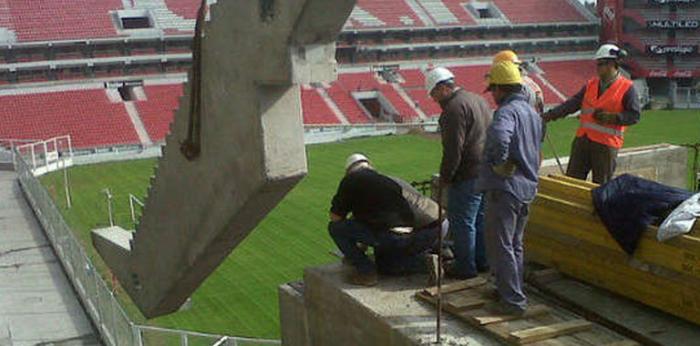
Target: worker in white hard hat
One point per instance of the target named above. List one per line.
(509, 177)
(386, 213)
(463, 123)
(531, 89)
(608, 104)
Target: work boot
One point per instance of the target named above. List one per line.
(503, 308)
(368, 279)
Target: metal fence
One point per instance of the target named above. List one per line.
(113, 324)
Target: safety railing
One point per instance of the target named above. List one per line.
(112, 323)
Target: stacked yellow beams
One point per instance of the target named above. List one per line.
(564, 233)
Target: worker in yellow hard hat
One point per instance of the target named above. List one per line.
(509, 177)
(530, 88)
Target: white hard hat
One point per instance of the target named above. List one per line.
(355, 158)
(437, 76)
(609, 51)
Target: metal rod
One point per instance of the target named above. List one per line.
(66, 185)
(556, 156)
(438, 324)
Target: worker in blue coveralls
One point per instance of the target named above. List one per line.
(509, 177)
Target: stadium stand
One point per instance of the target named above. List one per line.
(568, 76)
(458, 9)
(185, 8)
(50, 20)
(315, 109)
(539, 11)
(86, 115)
(157, 111)
(388, 13)
(347, 104)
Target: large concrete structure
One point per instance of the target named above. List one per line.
(251, 151)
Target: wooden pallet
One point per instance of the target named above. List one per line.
(563, 232)
(542, 324)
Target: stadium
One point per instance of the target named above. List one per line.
(89, 90)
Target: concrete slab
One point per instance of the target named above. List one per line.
(37, 303)
(387, 314)
(654, 325)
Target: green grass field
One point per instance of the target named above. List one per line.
(240, 298)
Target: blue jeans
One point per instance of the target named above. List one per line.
(395, 254)
(506, 218)
(465, 212)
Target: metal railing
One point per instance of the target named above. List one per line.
(112, 323)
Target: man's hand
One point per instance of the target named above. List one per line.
(547, 117)
(335, 217)
(605, 118)
(505, 170)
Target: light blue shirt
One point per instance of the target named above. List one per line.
(515, 134)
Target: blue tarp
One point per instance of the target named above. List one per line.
(627, 205)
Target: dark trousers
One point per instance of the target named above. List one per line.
(506, 218)
(465, 211)
(587, 155)
(394, 253)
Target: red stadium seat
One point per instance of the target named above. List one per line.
(539, 11)
(47, 20)
(157, 112)
(315, 109)
(86, 115)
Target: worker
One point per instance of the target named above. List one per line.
(509, 177)
(389, 215)
(463, 122)
(531, 89)
(608, 104)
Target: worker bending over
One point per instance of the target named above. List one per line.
(509, 176)
(463, 122)
(389, 215)
(608, 104)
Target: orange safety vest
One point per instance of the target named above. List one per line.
(610, 101)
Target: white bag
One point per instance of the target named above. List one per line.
(681, 220)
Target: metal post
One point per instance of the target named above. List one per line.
(33, 158)
(69, 202)
(438, 325)
(109, 205)
(138, 338)
(183, 339)
(131, 207)
(46, 156)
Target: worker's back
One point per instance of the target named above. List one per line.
(374, 199)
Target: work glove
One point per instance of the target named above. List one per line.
(605, 118)
(506, 169)
(547, 117)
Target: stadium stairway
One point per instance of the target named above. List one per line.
(38, 305)
(218, 178)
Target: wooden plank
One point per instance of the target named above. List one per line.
(456, 286)
(530, 335)
(483, 318)
(678, 299)
(583, 183)
(466, 304)
(626, 342)
(545, 276)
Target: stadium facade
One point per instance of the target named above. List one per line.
(663, 38)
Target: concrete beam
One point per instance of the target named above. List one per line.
(255, 54)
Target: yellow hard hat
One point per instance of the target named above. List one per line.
(506, 55)
(504, 72)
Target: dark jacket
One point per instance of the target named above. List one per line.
(627, 205)
(382, 202)
(463, 123)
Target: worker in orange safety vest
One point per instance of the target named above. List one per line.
(608, 104)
